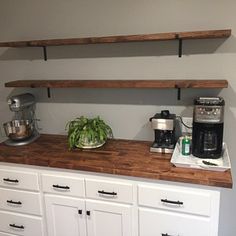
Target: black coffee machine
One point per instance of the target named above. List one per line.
(208, 124)
(164, 127)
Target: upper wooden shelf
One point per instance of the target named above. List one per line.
(118, 83)
(225, 33)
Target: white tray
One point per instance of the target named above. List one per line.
(179, 160)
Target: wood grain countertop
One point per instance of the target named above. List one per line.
(120, 157)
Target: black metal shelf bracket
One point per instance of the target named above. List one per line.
(180, 47)
(49, 92)
(45, 53)
(178, 93)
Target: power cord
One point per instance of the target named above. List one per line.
(181, 120)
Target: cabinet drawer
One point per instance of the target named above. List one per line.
(20, 201)
(158, 222)
(19, 180)
(5, 234)
(109, 191)
(21, 224)
(176, 199)
(63, 185)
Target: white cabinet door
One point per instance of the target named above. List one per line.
(65, 216)
(167, 223)
(108, 219)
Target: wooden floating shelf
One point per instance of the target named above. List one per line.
(119, 84)
(225, 33)
(135, 84)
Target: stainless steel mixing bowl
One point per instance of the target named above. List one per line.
(18, 129)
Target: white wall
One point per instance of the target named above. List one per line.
(127, 111)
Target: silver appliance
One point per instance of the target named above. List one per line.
(163, 125)
(21, 130)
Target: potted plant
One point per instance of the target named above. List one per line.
(87, 133)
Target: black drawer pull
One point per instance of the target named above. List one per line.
(107, 193)
(60, 187)
(16, 226)
(14, 202)
(11, 180)
(80, 212)
(172, 202)
(88, 213)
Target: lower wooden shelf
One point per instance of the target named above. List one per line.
(118, 83)
(136, 84)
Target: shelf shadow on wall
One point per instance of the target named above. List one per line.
(134, 49)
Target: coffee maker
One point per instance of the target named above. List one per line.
(21, 130)
(164, 130)
(208, 124)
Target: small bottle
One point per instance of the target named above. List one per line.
(186, 146)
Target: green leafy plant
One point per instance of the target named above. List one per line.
(87, 133)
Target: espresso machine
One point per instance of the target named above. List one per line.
(21, 130)
(163, 125)
(208, 124)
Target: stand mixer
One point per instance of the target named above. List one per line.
(22, 129)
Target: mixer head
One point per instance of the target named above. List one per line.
(21, 102)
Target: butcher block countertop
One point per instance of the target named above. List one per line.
(119, 157)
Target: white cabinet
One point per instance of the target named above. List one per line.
(168, 210)
(5, 234)
(20, 203)
(65, 216)
(166, 223)
(68, 216)
(106, 219)
(110, 191)
(15, 179)
(64, 185)
(20, 224)
(80, 216)
(85, 204)
(173, 198)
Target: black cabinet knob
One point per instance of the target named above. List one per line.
(171, 202)
(16, 226)
(14, 202)
(11, 180)
(60, 187)
(107, 193)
